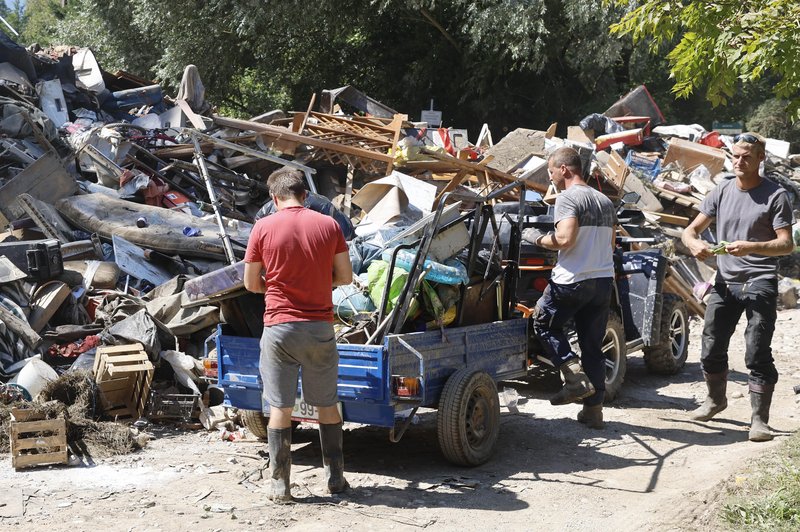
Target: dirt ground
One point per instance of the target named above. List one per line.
(651, 468)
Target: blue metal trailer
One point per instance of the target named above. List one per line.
(452, 370)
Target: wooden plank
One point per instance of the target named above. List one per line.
(193, 117)
(114, 369)
(669, 218)
(110, 349)
(40, 442)
(284, 134)
(27, 460)
(36, 426)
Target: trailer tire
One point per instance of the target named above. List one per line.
(615, 352)
(256, 422)
(468, 421)
(669, 355)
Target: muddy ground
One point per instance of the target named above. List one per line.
(651, 468)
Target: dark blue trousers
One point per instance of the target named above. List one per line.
(588, 303)
(727, 302)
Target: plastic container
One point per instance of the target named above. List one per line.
(33, 377)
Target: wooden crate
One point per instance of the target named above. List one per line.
(35, 440)
(123, 374)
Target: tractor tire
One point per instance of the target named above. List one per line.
(468, 421)
(669, 355)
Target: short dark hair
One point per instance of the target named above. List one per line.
(286, 183)
(568, 157)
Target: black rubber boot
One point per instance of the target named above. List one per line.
(280, 464)
(576, 384)
(716, 401)
(760, 401)
(330, 439)
(592, 416)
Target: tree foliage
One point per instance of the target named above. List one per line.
(510, 63)
(517, 63)
(720, 44)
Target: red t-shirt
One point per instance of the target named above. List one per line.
(296, 246)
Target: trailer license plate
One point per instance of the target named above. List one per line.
(303, 411)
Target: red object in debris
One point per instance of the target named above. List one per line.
(712, 139)
(448, 144)
(173, 198)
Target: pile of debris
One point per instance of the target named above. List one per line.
(128, 213)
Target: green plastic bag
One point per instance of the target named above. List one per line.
(377, 274)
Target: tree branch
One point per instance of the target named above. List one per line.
(425, 13)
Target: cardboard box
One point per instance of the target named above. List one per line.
(689, 155)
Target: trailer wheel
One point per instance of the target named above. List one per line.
(615, 352)
(669, 355)
(256, 422)
(469, 418)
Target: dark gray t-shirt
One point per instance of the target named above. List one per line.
(750, 215)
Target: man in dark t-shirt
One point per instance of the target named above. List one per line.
(295, 257)
(754, 218)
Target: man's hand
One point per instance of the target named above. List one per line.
(739, 248)
(532, 235)
(699, 249)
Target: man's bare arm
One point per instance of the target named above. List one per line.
(782, 244)
(253, 280)
(691, 237)
(342, 269)
(564, 238)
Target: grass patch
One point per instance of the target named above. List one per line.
(768, 496)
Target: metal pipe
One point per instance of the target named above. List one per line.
(212, 196)
(307, 170)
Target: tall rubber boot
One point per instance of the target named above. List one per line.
(760, 401)
(592, 417)
(716, 401)
(576, 384)
(330, 439)
(280, 464)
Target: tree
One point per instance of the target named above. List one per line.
(522, 63)
(720, 44)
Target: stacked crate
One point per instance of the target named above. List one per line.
(123, 374)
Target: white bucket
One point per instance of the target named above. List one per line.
(33, 377)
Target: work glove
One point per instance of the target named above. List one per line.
(532, 234)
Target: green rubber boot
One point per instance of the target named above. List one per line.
(760, 401)
(330, 439)
(716, 401)
(280, 464)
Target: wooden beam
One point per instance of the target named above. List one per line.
(283, 134)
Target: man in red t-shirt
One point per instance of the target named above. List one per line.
(295, 257)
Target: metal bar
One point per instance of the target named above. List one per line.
(307, 170)
(212, 196)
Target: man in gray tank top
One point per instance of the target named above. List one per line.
(754, 218)
(580, 285)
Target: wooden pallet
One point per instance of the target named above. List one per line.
(35, 440)
(123, 374)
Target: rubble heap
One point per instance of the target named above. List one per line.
(128, 212)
